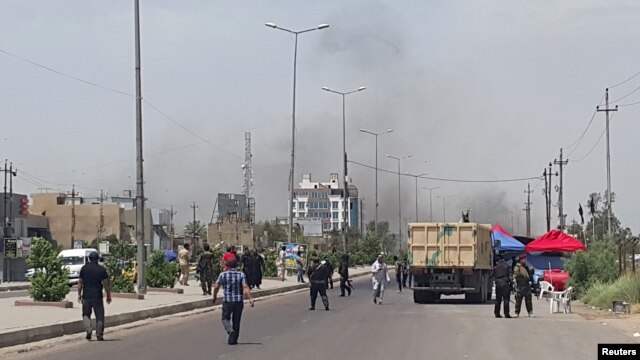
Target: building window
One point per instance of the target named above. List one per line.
(314, 195)
(301, 205)
(335, 226)
(335, 216)
(334, 204)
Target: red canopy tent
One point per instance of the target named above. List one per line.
(555, 241)
(499, 228)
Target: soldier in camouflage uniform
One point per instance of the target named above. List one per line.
(522, 278)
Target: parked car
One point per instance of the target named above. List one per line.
(73, 260)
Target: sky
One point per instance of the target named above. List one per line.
(483, 90)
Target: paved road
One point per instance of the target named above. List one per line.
(10, 294)
(355, 328)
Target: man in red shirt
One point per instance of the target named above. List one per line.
(231, 254)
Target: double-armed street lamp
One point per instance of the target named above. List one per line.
(430, 200)
(344, 158)
(399, 159)
(376, 134)
(293, 116)
(416, 177)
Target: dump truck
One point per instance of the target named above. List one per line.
(450, 259)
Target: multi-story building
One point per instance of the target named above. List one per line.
(324, 201)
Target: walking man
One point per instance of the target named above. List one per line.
(282, 256)
(343, 270)
(318, 274)
(93, 278)
(502, 278)
(327, 263)
(380, 279)
(399, 271)
(300, 266)
(235, 283)
(183, 257)
(205, 270)
(522, 278)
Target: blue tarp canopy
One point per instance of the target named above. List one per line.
(507, 243)
(170, 255)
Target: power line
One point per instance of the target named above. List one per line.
(592, 148)
(631, 104)
(632, 91)
(65, 74)
(50, 69)
(445, 179)
(629, 79)
(577, 143)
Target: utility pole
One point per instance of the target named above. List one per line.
(142, 286)
(5, 221)
(546, 198)
(12, 173)
(172, 229)
(73, 215)
(561, 163)
(101, 221)
(547, 193)
(194, 207)
(528, 209)
(607, 110)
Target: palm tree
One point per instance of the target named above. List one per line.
(197, 228)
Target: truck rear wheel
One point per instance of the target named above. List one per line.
(425, 297)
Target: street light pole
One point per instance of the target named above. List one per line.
(376, 136)
(416, 177)
(142, 287)
(293, 117)
(344, 158)
(430, 201)
(399, 159)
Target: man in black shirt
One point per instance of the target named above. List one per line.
(502, 278)
(92, 278)
(318, 274)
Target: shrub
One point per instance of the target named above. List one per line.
(51, 279)
(626, 288)
(119, 263)
(159, 272)
(270, 268)
(598, 264)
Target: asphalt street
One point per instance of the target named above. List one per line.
(10, 294)
(282, 327)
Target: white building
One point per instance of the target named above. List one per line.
(324, 201)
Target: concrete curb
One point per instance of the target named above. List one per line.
(44, 332)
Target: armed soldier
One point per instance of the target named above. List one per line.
(318, 274)
(522, 278)
(502, 278)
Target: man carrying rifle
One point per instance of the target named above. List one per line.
(502, 278)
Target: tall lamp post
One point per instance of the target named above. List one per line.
(293, 116)
(376, 136)
(416, 177)
(344, 158)
(430, 200)
(142, 286)
(444, 207)
(399, 159)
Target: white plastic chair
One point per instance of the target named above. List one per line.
(563, 298)
(545, 286)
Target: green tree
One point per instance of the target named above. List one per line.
(119, 266)
(275, 233)
(197, 228)
(598, 264)
(51, 279)
(159, 272)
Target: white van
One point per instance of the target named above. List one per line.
(74, 260)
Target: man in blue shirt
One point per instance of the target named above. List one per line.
(234, 283)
